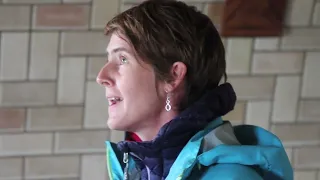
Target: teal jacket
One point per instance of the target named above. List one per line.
(220, 151)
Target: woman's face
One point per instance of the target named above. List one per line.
(136, 99)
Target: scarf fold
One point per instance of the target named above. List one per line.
(160, 153)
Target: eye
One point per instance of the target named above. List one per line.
(123, 60)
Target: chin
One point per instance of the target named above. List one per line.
(116, 125)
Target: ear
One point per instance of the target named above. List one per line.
(178, 73)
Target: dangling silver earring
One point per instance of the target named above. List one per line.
(168, 105)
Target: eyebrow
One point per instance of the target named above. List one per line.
(119, 49)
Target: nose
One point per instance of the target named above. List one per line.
(103, 77)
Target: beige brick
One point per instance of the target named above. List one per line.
(25, 144)
(236, 123)
(117, 136)
(10, 168)
(19, 17)
(277, 63)
(14, 56)
(238, 55)
(310, 87)
(289, 152)
(297, 134)
(264, 43)
(258, 113)
(190, 0)
(94, 66)
(215, 11)
(237, 114)
(102, 12)
(198, 5)
(301, 39)
(27, 94)
(307, 157)
(126, 6)
(299, 12)
(44, 56)
(93, 167)
(83, 43)
(81, 141)
(71, 80)
(12, 119)
(139, 1)
(316, 15)
(305, 175)
(253, 87)
(96, 107)
(55, 118)
(286, 99)
(31, 1)
(77, 1)
(62, 16)
(224, 42)
(52, 167)
(309, 110)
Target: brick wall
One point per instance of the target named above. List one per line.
(52, 113)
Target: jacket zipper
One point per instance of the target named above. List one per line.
(148, 170)
(125, 161)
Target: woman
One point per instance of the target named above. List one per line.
(163, 80)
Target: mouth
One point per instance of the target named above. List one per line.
(114, 100)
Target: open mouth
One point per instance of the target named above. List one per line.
(114, 100)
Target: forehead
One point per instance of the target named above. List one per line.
(117, 41)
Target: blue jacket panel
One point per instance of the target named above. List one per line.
(220, 151)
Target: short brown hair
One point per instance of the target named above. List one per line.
(163, 32)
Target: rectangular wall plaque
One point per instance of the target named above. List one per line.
(253, 17)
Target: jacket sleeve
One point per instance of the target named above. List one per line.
(230, 172)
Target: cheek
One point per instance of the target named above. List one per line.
(137, 82)
(141, 87)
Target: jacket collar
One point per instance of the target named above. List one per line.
(160, 153)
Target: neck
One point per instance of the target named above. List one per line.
(160, 153)
(149, 131)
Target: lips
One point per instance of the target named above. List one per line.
(113, 100)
